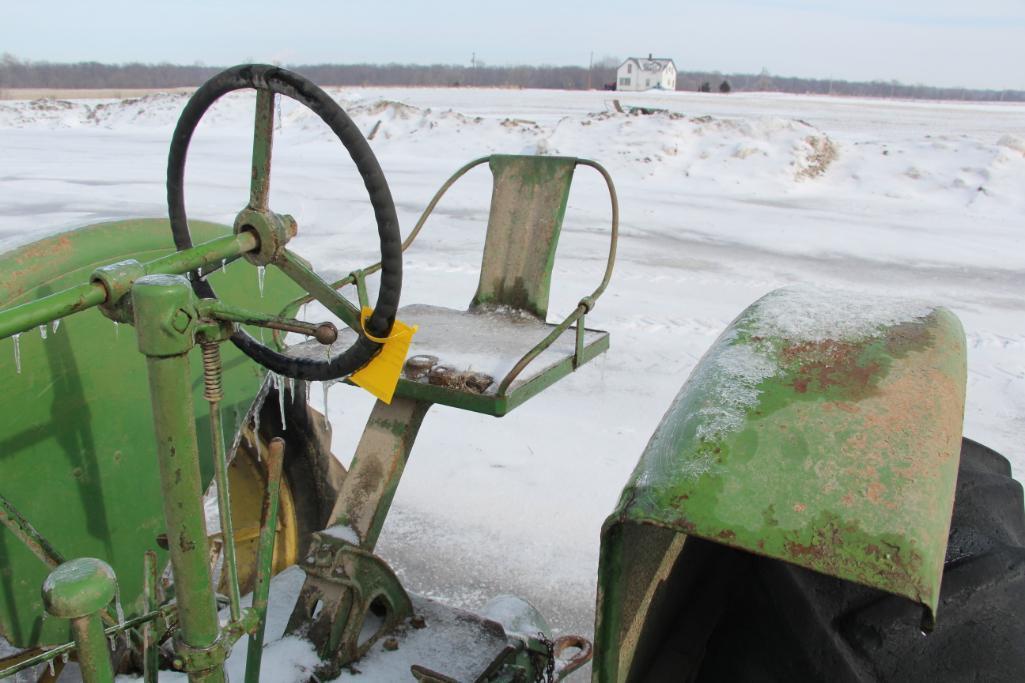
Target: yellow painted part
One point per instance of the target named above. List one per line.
(247, 479)
(381, 375)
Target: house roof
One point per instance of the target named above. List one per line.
(649, 63)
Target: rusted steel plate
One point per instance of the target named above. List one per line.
(820, 429)
(528, 203)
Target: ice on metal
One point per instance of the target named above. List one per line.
(484, 341)
(42, 330)
(343, 532)
(17, 351)
(279, 384)
(746, 355)
(261, 273)
(54, 325)
(804, 313)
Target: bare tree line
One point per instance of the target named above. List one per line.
(15, 73)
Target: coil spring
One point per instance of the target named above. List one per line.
(212, 389)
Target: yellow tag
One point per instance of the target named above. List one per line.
(381, 375)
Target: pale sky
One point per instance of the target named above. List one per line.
(979, 44)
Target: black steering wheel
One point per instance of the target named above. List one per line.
(269, 81)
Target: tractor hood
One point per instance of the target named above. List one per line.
(822, 429)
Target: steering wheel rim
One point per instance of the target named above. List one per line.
(289, 84)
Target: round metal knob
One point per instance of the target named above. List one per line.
(79, 588)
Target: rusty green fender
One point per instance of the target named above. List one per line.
(77, 455)
(821, 429)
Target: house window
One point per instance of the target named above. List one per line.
(624, 81)
(629, 68)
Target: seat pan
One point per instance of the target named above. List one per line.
(481, 341)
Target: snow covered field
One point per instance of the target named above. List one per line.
(723, 198)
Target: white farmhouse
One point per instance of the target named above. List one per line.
(638, 73)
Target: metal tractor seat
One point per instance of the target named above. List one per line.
(501, 351)
(489, 358)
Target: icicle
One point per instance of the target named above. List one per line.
(325, 385)
(120, 612)
(42, 330)
(113, 643)
(261, 336)
(256, 424)
(280, 382)
(291, 387)
(117, 330)
(54, 325)
(50, 664)
(64, 658)
(302, 311)
(224, 265)
(261, 273)
(17, 352)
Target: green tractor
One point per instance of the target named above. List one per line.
(806, 510)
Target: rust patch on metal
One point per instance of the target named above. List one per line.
(826, 364)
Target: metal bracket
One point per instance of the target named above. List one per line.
(346, 590)
(198, 659)
(117, 279)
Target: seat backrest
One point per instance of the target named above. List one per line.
(528, 203)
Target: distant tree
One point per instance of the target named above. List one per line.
(724, 87)
(705, 87)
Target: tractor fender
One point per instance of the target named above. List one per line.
(822, 429)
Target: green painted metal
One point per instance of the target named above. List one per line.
(343, 581)
(300, 272)
(79, 590)
(528, 204)
(166, 317)
(213, 392)
(837, 452)
(16, 273)
(150, 653)
(161, 620)
(377, 467)
(263, 143)
(265, 557)
(85, 477)
(27, 534)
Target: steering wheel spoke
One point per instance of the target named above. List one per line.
(296, 269)
(275, 230)
(263, 143)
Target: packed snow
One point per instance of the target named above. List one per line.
(723, 199)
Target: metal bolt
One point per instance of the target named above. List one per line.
(181, 320)
(391, 644)
(326, 334)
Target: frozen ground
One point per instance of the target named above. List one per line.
(723, 198)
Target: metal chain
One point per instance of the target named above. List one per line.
(546, 673)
